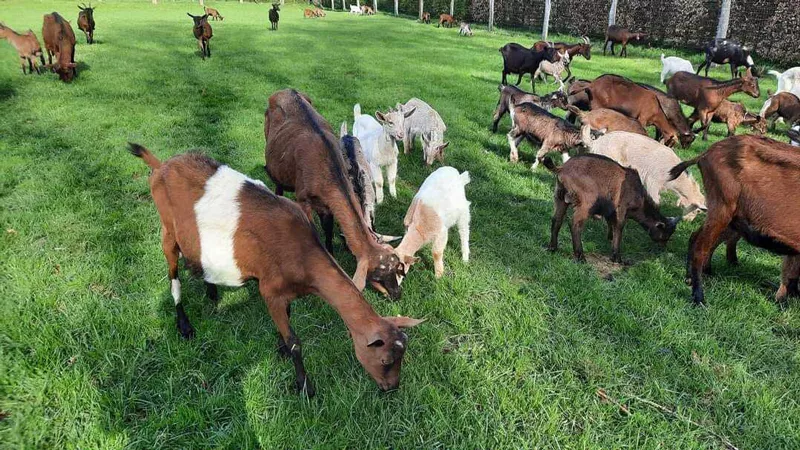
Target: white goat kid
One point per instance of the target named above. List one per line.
(465, 30)
(672, 65)
(354, 9)
(440, 203)
(427, 124)
(788, 81)
(653, 161)
(553, 68)
(379, 142)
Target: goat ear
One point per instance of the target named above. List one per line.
(360, 277)
(403, 321)
(343, 130)
(375, 341)
(409, 112)
(379, 116)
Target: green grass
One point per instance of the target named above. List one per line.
(516, 343)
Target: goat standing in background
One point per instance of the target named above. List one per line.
(213, 13)
(465, 30)
(86, 22)
(203, 33)
(725, 51)
(27, 47)
(672, 65)
(553, 68)
(428, 125)
(59, 40)
(274, 17)
(619, 35)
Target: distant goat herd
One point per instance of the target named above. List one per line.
(231, 228)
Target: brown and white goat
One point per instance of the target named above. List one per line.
(426, 17)
(751, 184)
(784, 105)
(304, 156)
(86, 22)
(203, 33)
(597, 186)
(706, 94)
(27, 47)
(213, 13)
(616, 34)
(511, 95)
(734, 114)
(607, 120)
(59, 40)
(532, 122)
(231, 229)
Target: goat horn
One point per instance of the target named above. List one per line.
(385, 238)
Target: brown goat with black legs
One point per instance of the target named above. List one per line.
(784, 105)
(86, 22)
(203, 33)
(706, 94)
(213, 13)
(734, 114)
(231, 229)
(59, 41)
(597, 186)
(27, 47)
(752, 184)
(534, 123)
(512, 95)
(644, 103)
(304, 156)
(616, 34)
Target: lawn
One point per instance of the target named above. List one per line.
(516, 345)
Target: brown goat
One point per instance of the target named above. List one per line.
(304, 156)
(597, 186)
(618, 35)
(308, 14)
(734, 114)
(584, 49)
(447, 20)
(783, 104)
(59, 40)
(27, 47)
(706, 94)
(426, 17)
(318, 12)
(512, 95)
(751, 185)
(86, 22)
(203, 33)
(644, 103)
(608, 120)
(367, 10)
(532, 122)
(213, 13)
(231, 229)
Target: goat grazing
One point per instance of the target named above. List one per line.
(553, 68)
(274, 16)
(27, 47)
(203, 33)
(86, 22)
(232, 229)
(439, 204)
(652, 162)
(465, 29)
(785, 105)
(309, 13)
(447, 20)
(319, 12)
(672, 65)
(520, 60)
(302, 155)
(706, 94)
(354, 9)
(616, 34)
(532, 122)
(379, 141)
(734, 114)
(59, 40)
(608, 120)
(213, 13)
(596, 186)
(725, 51)
(644, 103)
(359, 173)
(512, 95)
(427, 124)
(426, 18)
(367, 10)
(751, 184)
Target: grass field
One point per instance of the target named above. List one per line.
(516, 345)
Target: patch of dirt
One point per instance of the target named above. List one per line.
(605, 268)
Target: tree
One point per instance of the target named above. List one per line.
(724, 18)
(375, 6)
(395, 8)
(421, 8)
(491, 15)
(452, 6)
(546, 21)
(612, 13)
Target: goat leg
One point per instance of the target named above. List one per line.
(579, 217)
(171, 252)
(212, 293)
(707, 237)
(327, 228)
(279, 311)
(558, 217)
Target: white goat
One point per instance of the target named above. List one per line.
(379, 141)
(653, 161)
(354, 9)
(359, 173)
(788, 81)
(672, 64)
(440, 203)
(427, 124)
(553, 68)
(465, 30)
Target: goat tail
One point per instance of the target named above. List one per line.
(775, 73)
(356, 110)
(550, 165)
(141, 152)
(676, 171)
(464, 177)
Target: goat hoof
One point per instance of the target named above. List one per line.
(186, 330)
(306, 386)
(283, 350)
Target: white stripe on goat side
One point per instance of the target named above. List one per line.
(217, 213)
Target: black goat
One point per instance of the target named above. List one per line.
(521, 60)
(725, 51)
(274, 16)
